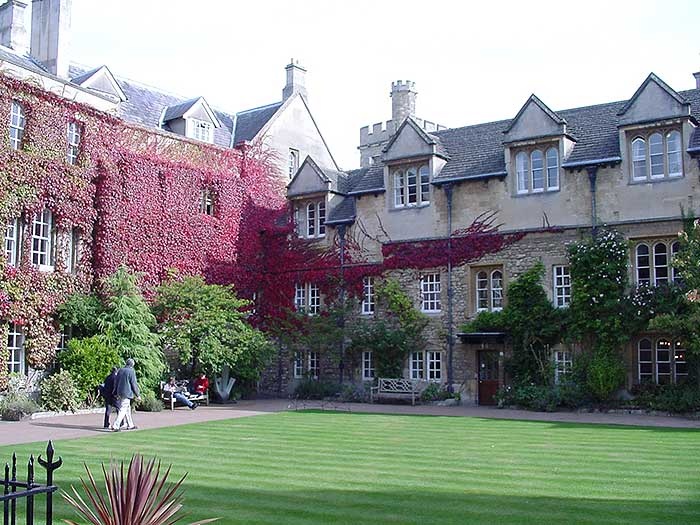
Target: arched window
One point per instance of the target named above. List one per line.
(552, 169)
(673, 150)
(660, 263)
(412, 186)
(496, 290)
(537, 163)
(293, 162)
(656, 155)
(639, 159)
(663, 361)
(643, 265)
(675, 274)
(424, 184)
(482, 291)
(321, 208)
(645, 361)
(679, 362)
(522, 168)
(399, 192)
(311, 220)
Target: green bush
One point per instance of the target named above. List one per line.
(60, 393)
(543, 398)
(433, 392)
(89, 361)
(605, 374)
(668, 398)
(355, 392)
(312, 389)
(149, 402)
(15, 406)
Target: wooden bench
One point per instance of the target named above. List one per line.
(396, 388)
(169, 399)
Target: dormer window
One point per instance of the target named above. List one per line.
(411, 185)
(537, 171)
(199, 130)
(656, 155)
(316, 219)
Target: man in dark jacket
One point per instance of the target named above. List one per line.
(125, 389)
(107, 391)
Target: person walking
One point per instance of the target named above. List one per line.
(107, 391)
(125, 389)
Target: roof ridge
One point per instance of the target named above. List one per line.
(260, 107)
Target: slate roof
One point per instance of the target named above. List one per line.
(343, 212)
(24, 61)
(176, 111)
(251, 121)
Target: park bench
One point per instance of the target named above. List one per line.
(396, 388)
(169, 399)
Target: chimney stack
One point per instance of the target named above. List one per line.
(295, 80)
(697, 80)
(50, 36)
(13, 34)
(403, 100)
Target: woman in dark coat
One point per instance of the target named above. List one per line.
(107, 391)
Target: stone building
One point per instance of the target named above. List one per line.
(554, 175)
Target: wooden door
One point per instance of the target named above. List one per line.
(488, 377)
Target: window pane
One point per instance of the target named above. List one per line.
(562, 286)
(522, 167)
(639, 159)
(424, 184)
(656, 155)
(368, 295)
(497, 290)
(430, 292)
(417, 365)
(482, 291)
(311, 220)
(660, 264)
(537, 170)
(675, 274)
(673, 149)
(552, 169)
(643, 265)
(399, 196)
(412, 186)
(321, 208)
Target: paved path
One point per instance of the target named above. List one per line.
(67, 427)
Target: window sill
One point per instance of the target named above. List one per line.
(410, 207)
(656, 180)
(538, 192)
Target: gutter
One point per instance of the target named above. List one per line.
(592, 162)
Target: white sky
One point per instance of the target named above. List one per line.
(472, 61)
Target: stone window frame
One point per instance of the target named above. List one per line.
(674, 368)
(16, 359)
(73, 137)
(368, 365)
(13, 243)
(401, 185)
(524, 172)
(642, 261)
(430, 292)
(18, 122)
(635, 157)
(494, 295)
(367, 305)
(561, 285)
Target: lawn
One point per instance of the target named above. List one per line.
(311, 467)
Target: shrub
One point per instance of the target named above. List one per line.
(605, 374)
(59, 392)
(312, 389)
(433, 392)
(89, 361)
(355, 393)
(668, 398)
(15, 406)
(149, 402)
(543, 398)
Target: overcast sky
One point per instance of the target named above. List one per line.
(472, 61)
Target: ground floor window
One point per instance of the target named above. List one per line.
(563, 363)
(417, 365)
(434, 366)
(367, 366)
(298, 365)
(430, 361)
(313, 365)
(15, 348)
(661, 361)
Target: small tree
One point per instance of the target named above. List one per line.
(126, 324)
(207, 324)
(89, 361)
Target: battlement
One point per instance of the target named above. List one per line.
(383, 131)
(401, 85)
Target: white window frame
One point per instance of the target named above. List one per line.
(314, 299)
(368, 370)
(42, 244)
(537, 170)
(367, 305)
(563, 364)
(16, 362)
(200, 130)
(430, 290)
(316, 219)
(313, 363)
(411, 185)
(293, 162)
(675, 274)
(73, 142)
(646, 376)
(434, 362)
(298, 365)
(552, 166)
(657, 262)
(652, 154)
(18, 122)
(417, 365)
(12, 242)
(679, 358)
(661, 263)
(206, 202)
(496, 295)
(561, 285)
(300, 297)
(661, 346)
(489, 288)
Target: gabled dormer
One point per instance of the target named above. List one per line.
(410, 141)
(193, 118)
(101, 80)
(309, 179)
(653, 101)
(534, 121)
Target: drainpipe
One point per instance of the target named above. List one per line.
(341, 320)
(592, 178)
(450, 292)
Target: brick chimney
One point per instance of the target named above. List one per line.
(13, 34)
(295, 81)
(403, 100)
(50, 40)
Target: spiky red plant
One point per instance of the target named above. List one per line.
(142, 497)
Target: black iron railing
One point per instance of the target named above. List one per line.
(24, 492)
